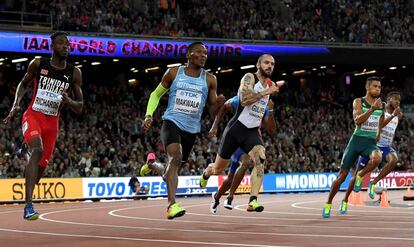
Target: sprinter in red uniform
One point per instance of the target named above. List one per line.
(56, 83)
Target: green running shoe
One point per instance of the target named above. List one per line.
(326, 212)
(358, 183)
(174, 211)
(255, 206)
(203, 182)
(343, 209)
(145, 170)
(371, 190)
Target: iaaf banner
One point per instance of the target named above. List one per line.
(393, 180)
(127, 47)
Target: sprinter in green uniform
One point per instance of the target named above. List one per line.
(368, 113)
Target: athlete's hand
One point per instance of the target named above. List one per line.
(212, 132)
(220, 100)
(273, 89)
(13, 112)
(147, 123)
(377, 104)
(66, 99)
(397, 112)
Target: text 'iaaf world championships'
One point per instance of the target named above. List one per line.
(132, 48)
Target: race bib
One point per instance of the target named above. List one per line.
(187, 102)
(47, 102)
(371, 125)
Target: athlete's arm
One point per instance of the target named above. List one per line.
(156, 95)
(75, 104)
(247, 95)
(360, 117)
(219, 117)
(214, 101)
(30, 75)
(380, 126)
(269, 120)
(396, 113)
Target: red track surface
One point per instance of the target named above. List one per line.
(288, 220)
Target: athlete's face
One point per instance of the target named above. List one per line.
(61, 46)
(266, 65)
(374, 89)
(198, 56)
(395, 101)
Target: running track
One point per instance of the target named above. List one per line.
(288, 220)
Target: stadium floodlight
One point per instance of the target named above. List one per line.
(79, 66)
(403, 67)
(248, 66)
(95, 63)
(38, 57)
(226, 70)
(132, 80)
(284, 74)
(2, 59)
(314, 69)
(77, 62)
(323, 67)
(370, 72)
(152, 69)
(299, 72)
(132, 69)
(19, 60)
(115, 60)
(173, 65)
(393, 68)
(135, 71)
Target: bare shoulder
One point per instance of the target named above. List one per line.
(210, 78)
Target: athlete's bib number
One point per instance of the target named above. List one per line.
(47, 102)
(371, 125)
(187, 102)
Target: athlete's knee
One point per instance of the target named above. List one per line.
(174, 158)
(342, 176)
(214, 169)
(376, 157)
(37, 152)
(258, 154)
(259, 158)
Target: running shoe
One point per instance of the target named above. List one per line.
(343, 209)
(326, 212)
(371, 190)
(228, 203)
(203, 182)
(30, 213)
(255, 206)
(214, 203)
(175, 211)
(358, 183)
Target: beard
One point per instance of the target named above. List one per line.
(265, 73)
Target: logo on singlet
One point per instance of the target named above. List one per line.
(49, 95)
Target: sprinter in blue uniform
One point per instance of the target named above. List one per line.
(190, 88)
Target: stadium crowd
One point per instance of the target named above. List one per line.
(107, 140)
(376, 21)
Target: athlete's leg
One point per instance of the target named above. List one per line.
(32, 168)
(225, 186)
(375, 158)
(245, 163)
(392, 160)
(171, 172)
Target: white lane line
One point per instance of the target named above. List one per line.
(368, 209)
(216, 231)
(137, 239)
